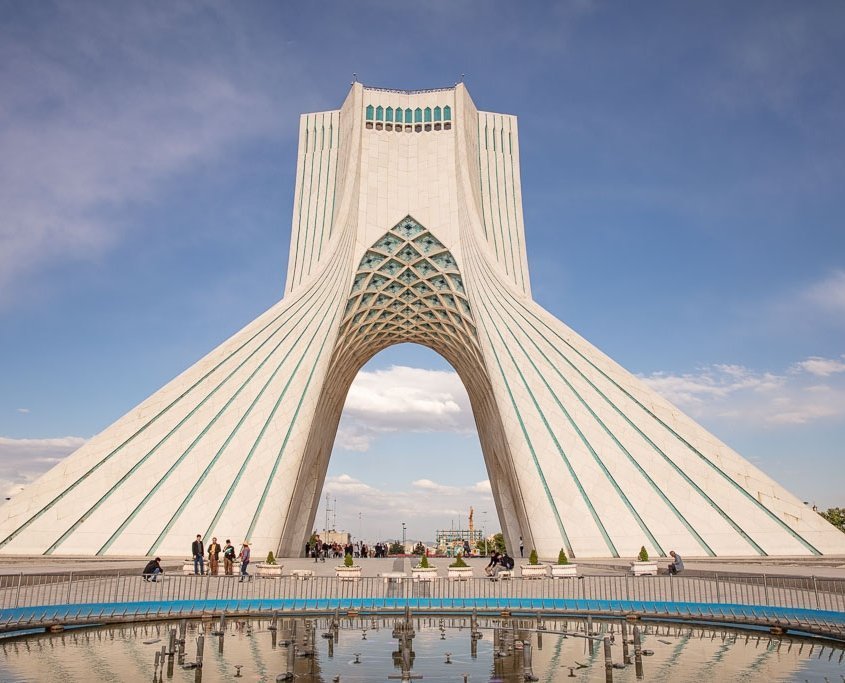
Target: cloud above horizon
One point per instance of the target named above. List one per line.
(403, 399)
(113, 119)
(22, 461)
(807, 391)
(428, 503)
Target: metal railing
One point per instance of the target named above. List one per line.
(26, 590)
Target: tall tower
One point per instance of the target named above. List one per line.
(408, 227)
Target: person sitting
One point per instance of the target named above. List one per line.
(677, 565)
(152, 570)
(505, 563)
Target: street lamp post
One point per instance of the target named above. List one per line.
(403, 538)
(484, 531)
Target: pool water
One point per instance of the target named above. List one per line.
(344, 650)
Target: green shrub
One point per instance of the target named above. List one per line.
(561, 557)
(459, 562)
(643, 556)
(270, 558)
(424, 563)
(532, 558)
(347, 561)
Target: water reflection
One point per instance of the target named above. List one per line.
(345, 649)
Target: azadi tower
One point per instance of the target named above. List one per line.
(407, 227)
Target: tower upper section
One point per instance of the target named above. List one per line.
(386, 154)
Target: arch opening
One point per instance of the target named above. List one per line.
(407, 289)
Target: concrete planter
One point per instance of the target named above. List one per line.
(532, 571)
(644, 568)
(423, 574)
(460, 573)
(560, 571)
(269, 570)
(345, 573)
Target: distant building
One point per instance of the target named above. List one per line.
(331, 537)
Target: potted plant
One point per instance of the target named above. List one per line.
(348, 571)
(563, 567)
(534, 569)
(269, 567)
(643, 566)
(459, 569)
(423, 571)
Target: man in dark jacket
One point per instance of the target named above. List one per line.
(198, 551)
(152, 570)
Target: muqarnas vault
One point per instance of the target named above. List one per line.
(408, 227)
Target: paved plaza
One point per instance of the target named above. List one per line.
(826, 567)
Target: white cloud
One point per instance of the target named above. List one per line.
(94, 118)
(24, 411)
(403, 399)
(427, 505)
(738, 394)
(821, 367)
(828, 295)
(24, 460)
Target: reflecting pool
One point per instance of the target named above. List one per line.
(343, 649)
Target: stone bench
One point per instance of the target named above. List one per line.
(302, 574)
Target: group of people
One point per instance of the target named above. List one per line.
(214, 552)
(153, 569)
(320, 550)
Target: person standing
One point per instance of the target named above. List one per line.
(521, 547)
(213, 556)
(244, 555)
(198, 552)
(228, 558)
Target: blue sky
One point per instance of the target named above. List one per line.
(682, 169)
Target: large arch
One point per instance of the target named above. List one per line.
(416, 235)
(407, 289)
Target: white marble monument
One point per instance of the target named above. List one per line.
(408, 227)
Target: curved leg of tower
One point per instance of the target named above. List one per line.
(210, 453)
(606, 465)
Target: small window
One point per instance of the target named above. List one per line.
(447, 113)
(369, 124)
(428, 126)
(427, 115)
(388, 126)
(388, 114)
(418, 128)
(447, 126)
(437, 126)
(370, 112)
(437, 114)
(379, 113)
(398, 114)
(409, 115)
(379, 125)
(417, 115)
